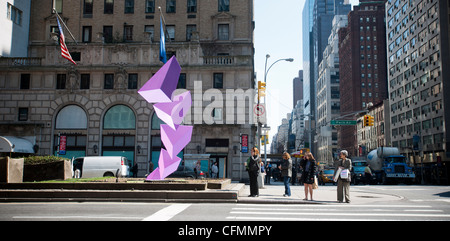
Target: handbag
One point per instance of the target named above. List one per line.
(315, 184)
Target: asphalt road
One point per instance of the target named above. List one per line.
(421, 203)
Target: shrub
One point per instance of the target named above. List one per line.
(34, 160)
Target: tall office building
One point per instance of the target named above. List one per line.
(317, 18)
(328, 94)
(15, 26)
(362, 65)
(418, 75)
(95, 104)
(297, 83)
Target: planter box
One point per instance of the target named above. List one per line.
(50, 171)
(11, 170)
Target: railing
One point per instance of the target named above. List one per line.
(218, 60)
(20, 61)
(227, 60)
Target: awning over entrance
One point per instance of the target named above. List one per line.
(15, 144)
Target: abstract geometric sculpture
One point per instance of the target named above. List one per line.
(175, 137)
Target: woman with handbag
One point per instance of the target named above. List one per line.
(309, 167)
(253, 166)
(342, 170)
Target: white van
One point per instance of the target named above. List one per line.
(101, 166)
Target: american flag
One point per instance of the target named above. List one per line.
(64, 50)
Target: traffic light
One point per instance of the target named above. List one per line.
(366, 120)
(261, 89)
(371, 120)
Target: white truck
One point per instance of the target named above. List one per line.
(101, 166)
(389, 166)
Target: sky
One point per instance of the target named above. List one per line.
(278, 32)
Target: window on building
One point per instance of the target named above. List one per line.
(224, 5)
(87, 8)
(224, 32)
(218, 80)
(23, 114)
(171, 6)
(87, 34)
(129, 6)
(109, 82)
(61, 81)
(182, 81)
(109, 7)
(128, 32)
(151, 30)
(71, 117)
(132, 81)
(150, 6)
(58, 5)
(14, 14)
(119, 117)
(108, 34)
(85, 81)
(170, 29)
(25, 81)
(189, 30)
(191, 6)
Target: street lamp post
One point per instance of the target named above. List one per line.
(266, 71)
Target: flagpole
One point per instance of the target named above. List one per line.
(164, 21)
(71, 35)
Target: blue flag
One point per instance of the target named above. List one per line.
(162, 44)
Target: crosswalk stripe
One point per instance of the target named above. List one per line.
(320, 212)
(167, 213)
(344, 214)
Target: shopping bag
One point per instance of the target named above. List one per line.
(316, 183)
(336, 175)
(344, 174)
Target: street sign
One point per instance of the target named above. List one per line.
(343, 122)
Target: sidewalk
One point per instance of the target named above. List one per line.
(323, 195)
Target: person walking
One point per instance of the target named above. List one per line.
(215, 170)
(309, 166)
(253, 167)
(268, 172)
(343, 186)
(286, 173)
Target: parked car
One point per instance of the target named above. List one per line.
(185, 171)
(101, 166)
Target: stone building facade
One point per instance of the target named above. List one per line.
(95, 104)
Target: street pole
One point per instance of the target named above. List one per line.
(266, 71)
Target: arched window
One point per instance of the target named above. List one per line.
(156, 122)
(71, 117)
(119, 117)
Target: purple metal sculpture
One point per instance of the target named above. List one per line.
(171, 111)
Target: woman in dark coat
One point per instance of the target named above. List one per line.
(253, 166)
(309, 166)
